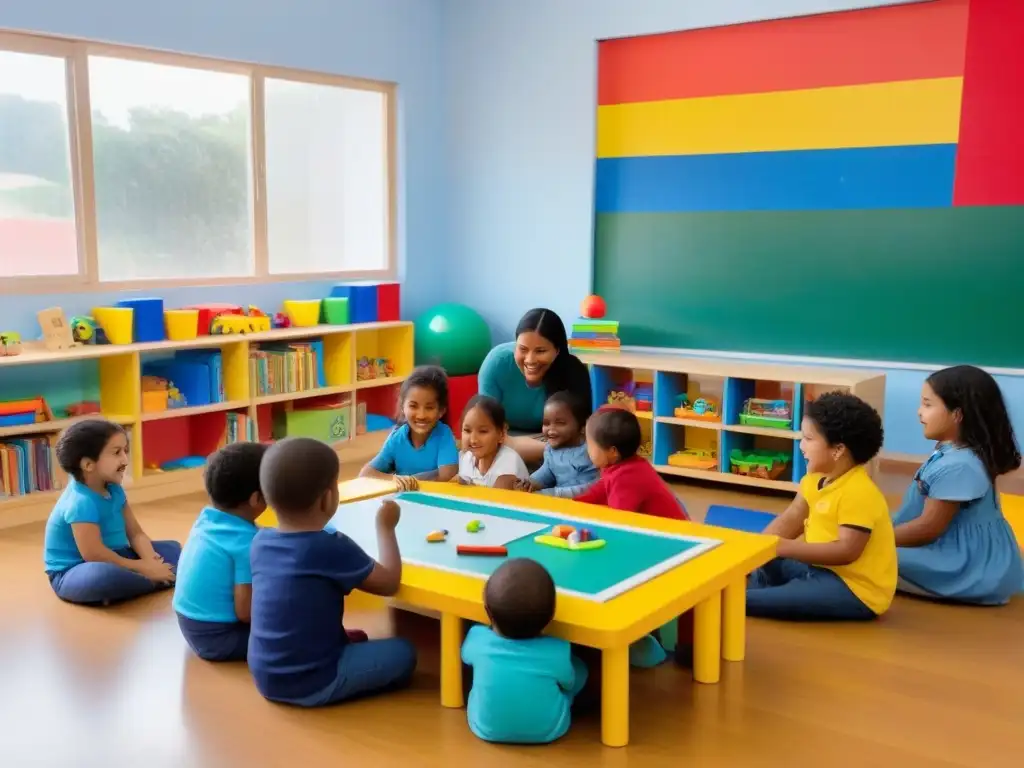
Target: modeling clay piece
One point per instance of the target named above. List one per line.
(562, 531)
(559, 543)
(435, 536)
(465, 549)
(474, 526)
(573, 539)
(585, 535)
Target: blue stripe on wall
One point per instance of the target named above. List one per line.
(829, 179)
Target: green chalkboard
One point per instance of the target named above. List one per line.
(938, 285)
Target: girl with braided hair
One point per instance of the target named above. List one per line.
(953, 542)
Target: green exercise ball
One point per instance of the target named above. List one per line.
(454, 337)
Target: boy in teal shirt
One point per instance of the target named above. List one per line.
(524, 683)
(213, 597)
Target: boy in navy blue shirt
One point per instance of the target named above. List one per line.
(524, 683)
(213, 596)
(299, 652)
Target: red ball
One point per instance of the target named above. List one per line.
(593, 307)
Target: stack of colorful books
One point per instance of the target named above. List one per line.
(592, 335)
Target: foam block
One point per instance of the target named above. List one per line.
(362, 301)
(388, 302)
(209, 311)
(147, 318)
(737, 518)
(334, 311)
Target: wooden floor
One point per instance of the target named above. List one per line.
(926, 686)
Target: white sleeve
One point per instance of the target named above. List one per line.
(467, 467)
(508, 462)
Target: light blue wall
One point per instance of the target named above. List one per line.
(394, 40)
(521, 79)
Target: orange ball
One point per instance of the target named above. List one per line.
(593, 307)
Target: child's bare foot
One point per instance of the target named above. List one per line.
(356, 636)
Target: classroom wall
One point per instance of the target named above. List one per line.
(521, 129)
(393, 40)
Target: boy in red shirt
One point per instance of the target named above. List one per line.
(628, 482)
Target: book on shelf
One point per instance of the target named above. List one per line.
(241, 429)
(277, 369)
(28, 465)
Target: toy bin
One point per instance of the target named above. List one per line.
(181, 324)
(303, 314)
(772, 414)
(328, 422)
(761, 463)
(116, 323)
(154, 401)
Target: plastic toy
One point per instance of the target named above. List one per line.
(466, 549)
(369, 368)
(701, 409)
(635, 396)
(207, 312)
(84, 330)
(694, 458)
(764, 464)
(646, 449)
(593, 307)
(774, 414)
(436, 536)
(230, 322)
(474, 526)
(281, 320)
(85, 408)
(452, 336)
(562, 531)
(559, 543)
(10, 344)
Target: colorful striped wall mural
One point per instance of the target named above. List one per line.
(890, 119)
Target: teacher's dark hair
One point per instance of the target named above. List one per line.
(567, 373)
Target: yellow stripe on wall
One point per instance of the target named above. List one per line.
(877, 115)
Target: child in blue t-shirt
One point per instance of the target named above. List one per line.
(567, 470)
(299, 652)
(421, 446)
(524, 683)
(213, 594)
(95, 551)
(953, 542)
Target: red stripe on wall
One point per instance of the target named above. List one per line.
(990, 158)
(878, 45)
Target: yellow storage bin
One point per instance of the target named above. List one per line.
(303, 314)
(154, 401)
(181, 324)
(116, 323)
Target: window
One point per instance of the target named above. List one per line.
(171, 157)
(326, 177)
(38, 236)
(121, 168)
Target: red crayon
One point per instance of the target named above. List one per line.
(468, 549)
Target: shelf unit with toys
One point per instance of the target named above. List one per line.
(182, 400)
(722, 420)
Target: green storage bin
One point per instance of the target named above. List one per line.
(334, 311)
(328, 423)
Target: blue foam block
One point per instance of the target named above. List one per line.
(147, 318)
(738, 519)
(362, 300)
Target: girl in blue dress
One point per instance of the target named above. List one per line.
(953, 541)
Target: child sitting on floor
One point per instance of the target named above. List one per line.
(421, 446)
(95, 551)
(299, 652)
(524, 683)
(213, 594)
(836, 556)
(486, 459)
(567, 470)
(628, 482)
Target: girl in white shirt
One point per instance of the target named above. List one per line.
(486, 459)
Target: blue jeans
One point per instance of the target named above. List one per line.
(214, 641)
(794, 591)
(104, 583)
(365, 669)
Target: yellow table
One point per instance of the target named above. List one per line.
(713, 585)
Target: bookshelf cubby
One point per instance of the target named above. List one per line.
(316, 391)
(699, 426)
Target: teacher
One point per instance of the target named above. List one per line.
(522, 374)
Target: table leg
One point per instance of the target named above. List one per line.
(734, 620)
(615, 696)
(707, 639)
(451, 661)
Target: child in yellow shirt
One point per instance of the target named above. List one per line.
(837, 551)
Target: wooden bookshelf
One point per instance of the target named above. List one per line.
(119, 373)
(730, 383)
